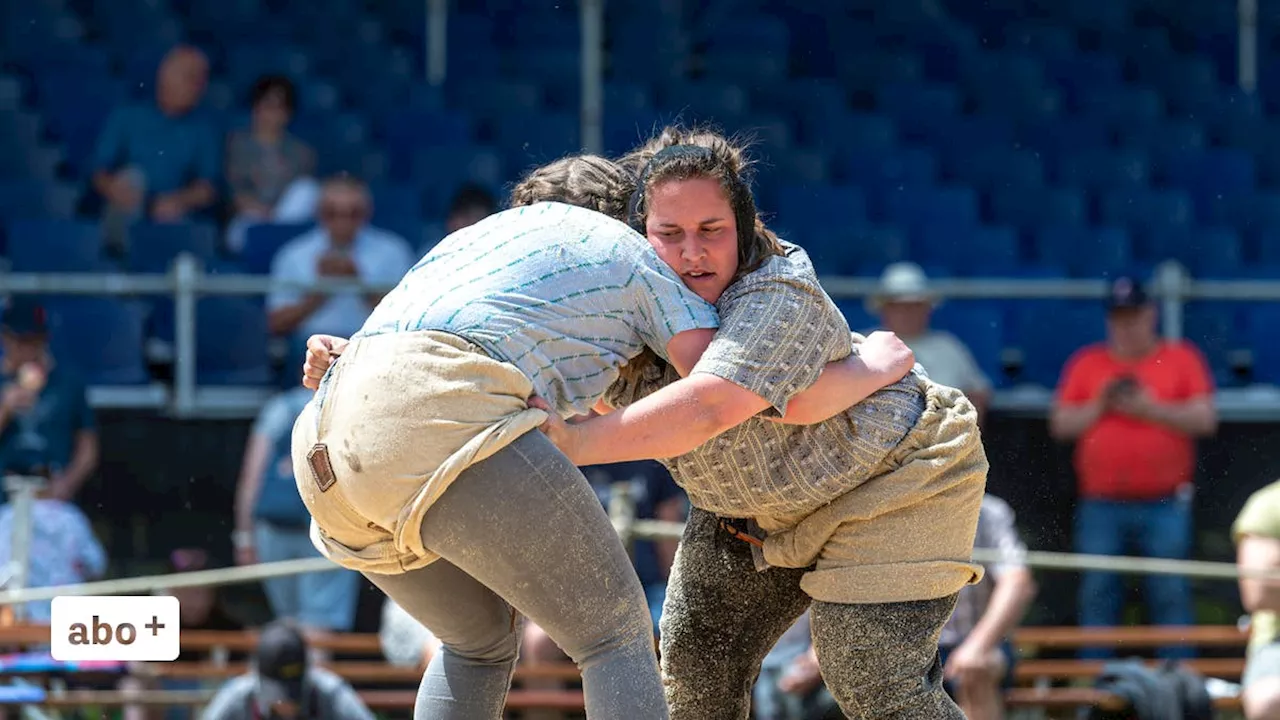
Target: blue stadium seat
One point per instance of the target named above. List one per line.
(101, 337)
(1064, 136)
(993, 168)
(981, 251)
(540, 138)
(1261, 321)
(1079, 73)
(954, 205)
(153, 247)
(883, 172)
(1042, 36)
(395, 200)
(1029, 207)
(744, 66)
(1212, 175)
(811, 212)
(980, 325)
(919, 108)
(1132, 108)
(705, 101)
(1085, 252)
(864, 131)
(850, 248)
(1208, 252)
(619, 94)
(818, 108)
(1215, 329)
(231, 342)
(1147, 211)
(25, 199)
(412, 128)
(1103, 170)
(262, 242)
(865, 69)
(54, 246)
(1046, 346)
(1169, 139)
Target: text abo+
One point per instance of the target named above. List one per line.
(114, 628)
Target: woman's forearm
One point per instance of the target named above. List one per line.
(841, 385)
(668, 423)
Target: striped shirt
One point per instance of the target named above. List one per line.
(565, 294)
(778, 329)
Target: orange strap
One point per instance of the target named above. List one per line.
(735, 532)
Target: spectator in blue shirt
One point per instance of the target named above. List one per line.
(272, 524)
(46, 424)
(159, 160)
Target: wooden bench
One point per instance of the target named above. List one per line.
(374, 699)
(1063, 698)
(1041, 673)
(220, 642)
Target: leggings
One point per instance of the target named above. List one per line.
(879, 661)
(523, 534)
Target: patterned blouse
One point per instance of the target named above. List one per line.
(778, 329)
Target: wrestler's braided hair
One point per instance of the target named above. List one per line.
(679, 153)
(587, 181)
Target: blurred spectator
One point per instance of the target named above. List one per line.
(270, 171)
(159, 161)
(1257, 535)
(471, 204)
(272, 524)
(1135, 405)
(344, 246)
(790, 684)
(46, 425)
(656, 497)
(405, 642)
(285, 685)
(62, 549)
(977, 657)
(199, 608)
(905, 306)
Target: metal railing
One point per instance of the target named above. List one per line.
(186, 282)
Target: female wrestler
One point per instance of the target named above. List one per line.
(870, 515)
(424, 475)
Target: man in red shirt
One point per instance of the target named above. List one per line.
(1135, 406)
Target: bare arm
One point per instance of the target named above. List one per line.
(249, 485)
(1256, 552)
(668, 423)
(1068, 422)
(198, 195)
(1197, 417)
(284, 320)
(1012, 595)
(884, 360)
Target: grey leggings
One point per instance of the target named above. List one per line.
(721, 617)
(523, 532)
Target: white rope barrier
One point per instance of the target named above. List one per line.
(171, 581)
(636, 529)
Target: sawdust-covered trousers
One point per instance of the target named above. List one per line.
(722, 616)
(522, 533)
